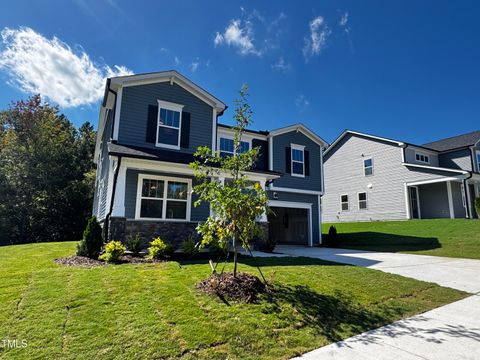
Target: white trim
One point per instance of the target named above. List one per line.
(297, 205)
(469, 201)
(402, 149)
(426, 157)
(270, 154)
(319, 220)
(298, 148)
(299, 128)
(295, 191)
(450, 200)
(166, 180)
(407, 201)
(343, 202)
(342, 135)
(214, 131)
(418, 202)
(366, 167)
(433, 181)
(322, 169)
(113, 161)
(436, 168)
(358, 200)
(246, 133)
(116, 121)
(119, 199)
(172, 107)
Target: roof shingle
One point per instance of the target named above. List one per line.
(455, 142)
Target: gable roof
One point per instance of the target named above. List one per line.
(303, 129)
(373, 137)
(455, 142)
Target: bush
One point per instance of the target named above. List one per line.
(92, 241)
(159, 249)
(190, 247)
(134, 244)
(217, 249)
(113, 251)
(332, 237)
(477, 206)
(267, 244)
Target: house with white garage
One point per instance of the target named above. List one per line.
(370, 177)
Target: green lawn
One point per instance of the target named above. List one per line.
(154, 310)
(439, 237)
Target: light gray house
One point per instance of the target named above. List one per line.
(150, 125)
(374, 178)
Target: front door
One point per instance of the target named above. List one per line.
(414, 203)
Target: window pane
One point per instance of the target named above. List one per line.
(177, 190)
(362, 196)
(163, 115)
(368, 171)
(297, 155)
(226, 145)
(244, 147)
(426, 159)
(167, 136)
(344, 206)
(344, 198)
(176, 119)
(151, 208)
(297, 168)
(169, 120)
(362, 205)
(176, 209)
(225, 154)
(152, 188)
(368, 162)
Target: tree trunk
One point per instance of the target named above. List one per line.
(234, 257)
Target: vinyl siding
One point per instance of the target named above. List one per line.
(460, 159)
(303, 198)
(312, 182)
(134, 112)
(385, 189)
(411, 158)
(199, 213)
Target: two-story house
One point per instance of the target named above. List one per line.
(374, 178)
(150, 125)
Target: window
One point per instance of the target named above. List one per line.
(169, 125)
(362, 201)
(227, 147)
(163, 198)
(344, 202)
(422, 158)
(368, 167)
(478, 161)
(298, 162)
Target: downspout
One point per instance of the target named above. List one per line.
(107, 218)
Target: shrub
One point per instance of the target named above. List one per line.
(332, 237)
(190, 247)
(92, 241)
(159, 249)
(113, 251)
(477, 206)
(267, 244)
(218, 249)
(134, 244)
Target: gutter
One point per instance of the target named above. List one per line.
(107, 218)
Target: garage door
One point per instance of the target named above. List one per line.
(289, 225)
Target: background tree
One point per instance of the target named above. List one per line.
(46, 174)
(236, 203)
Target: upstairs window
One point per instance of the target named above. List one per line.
(298, 160)
(169, 125)
(478, 161)
(368, 167)
(422, 158)
(362, 201)
(227, 147)
(344, 202)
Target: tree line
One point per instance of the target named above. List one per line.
(47, 174)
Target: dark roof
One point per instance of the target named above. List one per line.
(162, 155)
(455, 142)
(261, 132)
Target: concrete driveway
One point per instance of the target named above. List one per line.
(450, 332)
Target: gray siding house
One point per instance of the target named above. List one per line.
(374, 178)
(150, 125)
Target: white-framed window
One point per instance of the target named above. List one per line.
(345, 205)
(163, 198)
(298, 160)
(478, 160)
(368, 166)
(169, 125)
(362, 201)
(227, 146)
(423, 158)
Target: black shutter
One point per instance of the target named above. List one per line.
(262, 161)
(288, 159)
(185, 136)
(306, 154)
(152, 124)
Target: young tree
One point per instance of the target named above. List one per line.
(236, 202)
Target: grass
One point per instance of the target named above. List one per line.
(439, 237)
(149, 311)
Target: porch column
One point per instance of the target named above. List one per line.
(119, 200)
(450, 200)
(263, 218)
(468, 200)
(407, 201)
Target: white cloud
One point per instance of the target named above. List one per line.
(317, 39)
(194, 65)
(281, 65)
(238, 36)
(51, 68)
(301, 102)
(344, 20)
(176, 61)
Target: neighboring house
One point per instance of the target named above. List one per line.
(150, 125)
(373, 178)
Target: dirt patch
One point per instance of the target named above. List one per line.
(243, 288)
(81, 261)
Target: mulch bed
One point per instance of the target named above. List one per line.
(244, 288)
(80, 261)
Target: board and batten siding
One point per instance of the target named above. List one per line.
(134, 114)
(344, 174)
(311, 182)
(199, 213)
(459, 159)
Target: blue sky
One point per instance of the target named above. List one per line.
(408, 70)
